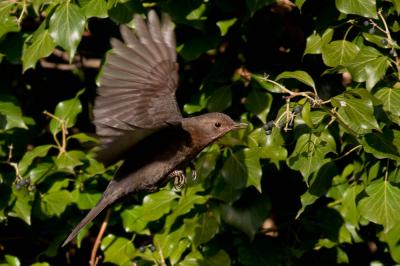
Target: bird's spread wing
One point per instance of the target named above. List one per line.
(137, 86)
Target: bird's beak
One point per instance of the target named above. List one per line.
(240, 126)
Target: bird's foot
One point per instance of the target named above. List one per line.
(179, 178)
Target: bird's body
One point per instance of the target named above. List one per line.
(137, 118)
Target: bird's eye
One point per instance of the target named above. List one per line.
(217, 124)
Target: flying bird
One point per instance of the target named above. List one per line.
(137, 117)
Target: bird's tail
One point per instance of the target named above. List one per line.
(100, 206)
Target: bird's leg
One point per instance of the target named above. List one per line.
(193, 169)
(179, 178)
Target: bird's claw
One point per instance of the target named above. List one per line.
(193, 169)
(179, 178)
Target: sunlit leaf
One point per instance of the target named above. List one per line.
(117, 250)
(299, 75)
(40, 45)
(390, 98)
(55, 202)
(339, 53)
(66, 26)
(29, 156)
(382, 205)
(364, 8)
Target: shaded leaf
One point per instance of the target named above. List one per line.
(383, 145)
(390, 98)
(299, 75)
(54, 203)
(224, 25)
(259, 103)
(220, 99)
(13, 115)
(29, 156)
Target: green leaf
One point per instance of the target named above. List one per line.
(66, 26)
(356, 110)
(199, 44)
(13, 114)
(348, 208)
(390, 98)
(54, 203)
(224, 25)
(221, 258)
(29, 156)
(23, 205)
(12, 260)
(315, 42)
(94, 8)
(310, 152)
(83, 138)
(117, 250)
(396, 4)
(392, 238)
(40, 45)
(186, 202)
(69, 160)
(153, 208)
(7, 23)
(220, 99)
(40, 172)
(206, 162)
(273, 148)
(85, 200)
(67, 111)
(339, 53)
(299, 75)
(383, 145)
(364, 8)
(206, 228)
(259, 103)
(382, 205)
(249, 218)
(242, 169)
(369, 65)
(265, 84)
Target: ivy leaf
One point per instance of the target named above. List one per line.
(265, 84)
(29, 156)
(339, 53)
(206, 228)
(242, 169)
(206, 162)
(117, 250)
(40, 171)
(259, 103)
(221, 258)
(310, 151)
(12, 260)
(299, 75)
(67, 111)
(392, 238)
(38, 46)
(364, 8)
(85, 200)
(390, 98)
(356, 110)
(153, 208)
(12, 112)
(69, 160)
(382, 205)
(348, 208)
(7, 23)
(94, 8)
(23, 205)
(383, 145)
(54, 203)
(273, 148)
(220, 99)
(224, 25)
(66, 26)
(315, 42)
(370, 65)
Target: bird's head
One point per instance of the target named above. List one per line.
(211, 126)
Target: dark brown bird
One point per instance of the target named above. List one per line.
(137, 117)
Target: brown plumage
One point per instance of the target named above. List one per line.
(137, 117)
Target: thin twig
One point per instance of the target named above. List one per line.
(94, 260)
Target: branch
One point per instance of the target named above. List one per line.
(94, 260)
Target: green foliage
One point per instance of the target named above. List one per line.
(314, 179)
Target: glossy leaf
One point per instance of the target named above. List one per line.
(26, 161)
(13, 115)
(55, 202)
(117, 250)
(69, 160)
(299, 75)
(383, 145)
(67, 111)
(153, 208)
(369, 65)
(390, 98)
(40, 45)
(339, 53)
(23, 205)
(66, 26)
(224, 25)
(315, 42)
(382, 205)
(365, 8)
(94, 8)
(265, 84)
(356, 111)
